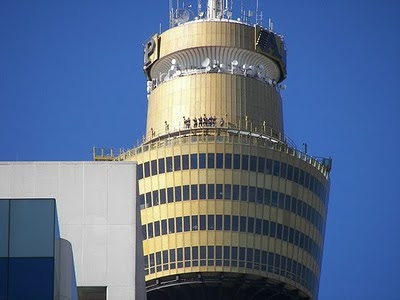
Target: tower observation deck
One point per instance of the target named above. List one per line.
(230, 209)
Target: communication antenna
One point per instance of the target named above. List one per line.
(171, 14)
(199, 12)
(181, 16)
(259, 15)
(270, 25)
(206, 62)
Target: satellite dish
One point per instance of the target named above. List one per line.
(208, 69)
(205, 63)
(235, 63)
(173, 61)
(201, 14)
(229, 14)
(261, 67)
(181, 16)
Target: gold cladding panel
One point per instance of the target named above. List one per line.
(232, 97)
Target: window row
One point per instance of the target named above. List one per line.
(236, 224)
(230, 257)
(235, 162)
(233, 192)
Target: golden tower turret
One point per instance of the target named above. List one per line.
(230, 209)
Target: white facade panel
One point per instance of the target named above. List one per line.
(97, 213)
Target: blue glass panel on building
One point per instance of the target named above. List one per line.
(32, 228)
(3, 278)
(31, 278)
(4, 211)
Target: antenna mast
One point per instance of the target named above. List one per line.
(198, 7)
(259, 15)
(171, 14)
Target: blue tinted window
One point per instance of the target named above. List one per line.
(220, 160)
(301, 179)
(210, 222)
(261, 164)
(268, 166)
(252, 194)
(32, 228)
(141, 200)
(148, 200)
(185, 192)
(210, 160)
(193, 161)
(146, 169)
(243, 224)
(276, 168)
(4, 219)
(185, 162)
(272, 229)
(177, 162)
(202, 222)
(163, 197)
(203, 194)
(307, 180)
(296, 175)
(211, 191)
(179, 224)
(4, 278)
(245, 162)
(281, 203)
(228, 161)
(250, 224)
(235, 192)
(157, 230)
(195, 223)
(258, 226)
(265, 227)
(171, 225)
(170, 194)
(227, 222)
(235, 223)
(186, 223)
(227, 191)
(283, 170)
(290, 172)
(243, 193)
(169, 164)
(218, 222)
(144, 233)
(218, 191)
(154, 167)
(193, 192)
(164, 229)
(178, 193)
(24, 279)
(139, 171)
(202, 161)
(161, 165)
(274, 200)
(155, 198)
(260, 195)
(267, 197)
(253, 163)
(236, 161)
(150, 230)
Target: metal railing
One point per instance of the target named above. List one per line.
(213, 135)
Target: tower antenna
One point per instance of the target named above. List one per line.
(259, 15)
(171, 12)
(199, 7)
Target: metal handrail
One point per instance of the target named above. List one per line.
(231, 135)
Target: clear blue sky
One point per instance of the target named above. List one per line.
(71, 78)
